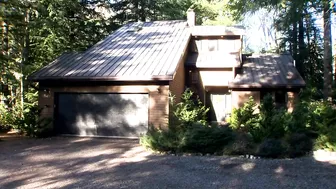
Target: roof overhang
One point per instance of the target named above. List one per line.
(138, 78)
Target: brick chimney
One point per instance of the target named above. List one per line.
(191, 18)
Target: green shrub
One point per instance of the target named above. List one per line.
(198, 139)
(241, 145)
(271, 148)
(189, 111)
(326, 141)
(323, 122)
(299, 144)
(32, 125)
(190, 132)
(272, 121)
(203, 139)
(162, 140)
(8, 117)
(244, 119)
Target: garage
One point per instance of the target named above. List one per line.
(101, 114)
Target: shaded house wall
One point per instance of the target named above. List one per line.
(210, 67)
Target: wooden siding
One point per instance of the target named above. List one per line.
(222, 45)
(213, 60)
(216, 78)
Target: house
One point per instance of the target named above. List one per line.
(121, 85)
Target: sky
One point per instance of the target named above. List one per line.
(261, 35)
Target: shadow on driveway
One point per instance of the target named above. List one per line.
(66, 162)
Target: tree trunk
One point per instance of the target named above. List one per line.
(302, 55)
(327, 54)
(25, 55)
(294, 42)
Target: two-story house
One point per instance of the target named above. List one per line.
(121, 85)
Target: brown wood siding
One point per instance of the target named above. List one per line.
(240, 97)
(158, 98)
(212, 45)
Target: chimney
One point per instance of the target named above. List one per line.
(191, 18)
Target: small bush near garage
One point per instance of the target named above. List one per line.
(27, 122)
(32, 125)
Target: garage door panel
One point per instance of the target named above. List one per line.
(103, 114)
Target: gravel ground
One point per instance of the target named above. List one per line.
(114, 163)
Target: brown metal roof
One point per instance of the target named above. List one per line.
(268, 71)
(152, 53)
(213, 60)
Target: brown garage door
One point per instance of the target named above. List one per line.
(114, 114)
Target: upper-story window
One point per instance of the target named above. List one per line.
(217, 44)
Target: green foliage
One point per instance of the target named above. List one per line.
(191, 132)
(9, 117)
(271, 148)
(241, 145)
(244, 118)
(325, 121)
(33, 33)
(205, 140)
(32, 125)
(299, 144)
(272, 121)
(190, 111)
(198, 139)
(163, 140)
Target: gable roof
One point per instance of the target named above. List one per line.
(151, 53)
(268, 71)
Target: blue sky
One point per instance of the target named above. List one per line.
(261, 35)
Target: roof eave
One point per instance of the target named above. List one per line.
(265, 86)
(150, 78)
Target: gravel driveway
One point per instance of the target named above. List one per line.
(113, 163)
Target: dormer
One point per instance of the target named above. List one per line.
(215, 47)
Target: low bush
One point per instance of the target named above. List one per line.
(242, 144)
(206, 139)
(271, 148)
(32, 125)
(299, 144)
(199, 139)
(162, 140)
(8, 117)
